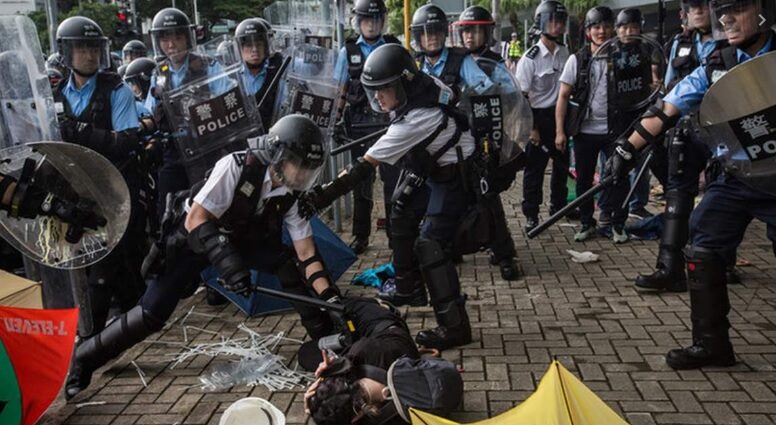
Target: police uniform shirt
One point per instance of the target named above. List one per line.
(688, 93)
(218, 192)
(413, 129)
(217, 86)
(341, 67)
(142, 111)
(702, 50)
(122, 102)
(597, 115)
(471, 74)
(538, 72)
(253, 83)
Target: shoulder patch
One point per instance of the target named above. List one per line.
(532, 52)
(239, 158)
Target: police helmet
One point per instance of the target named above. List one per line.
(428, 19)
(121, 70)
(250, 31)
(389, 66)
(599, 15)
(547, 12)
(55, 61)
(368, 9)
(295, 148)
(171, 21)
(475, 18)
(138, 73)
(79, 32)
(687, 4)
(629, 16)
(132, 50)
(750, 18)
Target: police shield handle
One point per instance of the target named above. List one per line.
(570, 206)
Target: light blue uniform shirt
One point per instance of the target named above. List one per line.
(702, 51)
(341, 67)
(471, 74)
(122, 103)
(253, 83)
(217, 86)
(142, 111)
(688, 93)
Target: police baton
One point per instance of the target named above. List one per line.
(275, 81)
(638, 178)
(570, 206)
(312, 301)
(350, 145)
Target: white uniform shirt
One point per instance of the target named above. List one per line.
(218, 192)
(596, 117)
(418, 124)
(538, 71)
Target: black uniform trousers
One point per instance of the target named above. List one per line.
(533, 176)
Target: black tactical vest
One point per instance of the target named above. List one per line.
(98, 113)
(724, 58)
(356, 97)
(685, 59)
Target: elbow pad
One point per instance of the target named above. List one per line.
(656, 110)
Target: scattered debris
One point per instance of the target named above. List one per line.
(582, 257)
(140, 373)
(90, 403)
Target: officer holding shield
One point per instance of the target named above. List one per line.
(736, 196)
(232, 221)
(261, 66)
(97, 110)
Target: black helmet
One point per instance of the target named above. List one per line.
(121, 70)
(80, 31)
(138, 72)
(760, 21)
(55, 61)
(368, 9)
(547, 12)
(428, 19)
(390, 65)
(687, 4)
(297, 141)
(171, 21)
(599, 15)
(474, 17)
(629, 16)
(252, 30)
(132, 50)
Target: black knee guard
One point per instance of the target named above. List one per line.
(443, 284)
(709, 303)
(675, 232)
(209, 240)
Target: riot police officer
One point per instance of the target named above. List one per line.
(232, 220)
(173, 39)
(689, 157)
(431, 143)
(538, 72)
(475, 33)
(359, 119)
(134, 49)
(261, 66)
(731, 200)
(454, 66)
(98, 111)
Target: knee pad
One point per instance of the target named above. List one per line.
(438, 271)
(705, 268)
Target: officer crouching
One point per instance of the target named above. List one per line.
(430, 142)
(232, 221)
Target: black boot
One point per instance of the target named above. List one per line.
(359, 244)
(454, 328)
(709, 306)
(510, 270)
(417, 298)
(92, 353)
(213, 297)
(733, 278)
(669, 276)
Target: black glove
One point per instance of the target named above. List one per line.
(340, 134)
(314, 200)
(74, 131)
(79, 213)
(622, 161)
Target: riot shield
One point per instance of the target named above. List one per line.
(738, 113)
(26, 103)
(66, 170)
(214, 115)
(501, 119)
(310, 87)
(297, 22)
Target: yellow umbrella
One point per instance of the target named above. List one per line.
(560, 399)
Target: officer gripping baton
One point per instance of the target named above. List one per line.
(638, 178)
(350, 145)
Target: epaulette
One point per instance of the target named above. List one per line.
(532, 52)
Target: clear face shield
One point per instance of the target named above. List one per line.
(86, 56)
(429, 38)
(697, 15)
(368, 26)
(386, 98)
(473, 36)
(173, 43)
(127, 56)
(554, 25)
(737, 21)
(253, 49)
(629, 33)
(297, 173)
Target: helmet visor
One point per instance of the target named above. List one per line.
(429, 38)
(86, 55)
(173, 42)
(297, 172)
(387, 97)
(473, 35)
(553, 24)
(368, 26)
(737, 20)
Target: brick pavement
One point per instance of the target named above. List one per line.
(588, 316)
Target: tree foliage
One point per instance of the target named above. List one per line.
(210, 12)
